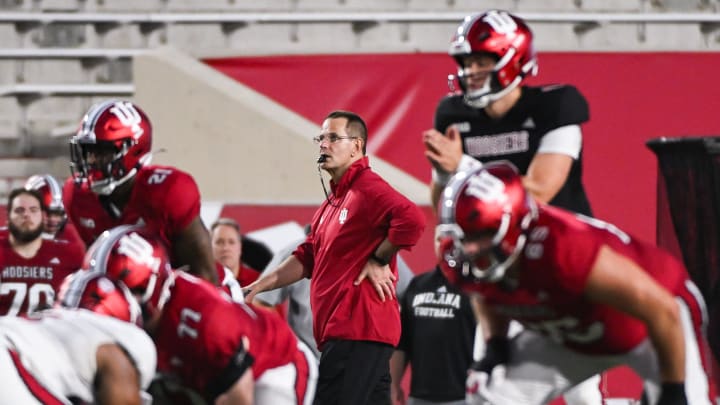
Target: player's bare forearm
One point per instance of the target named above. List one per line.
(546, 175)
(666, 333)
(116, 379)
(435, 191)
(492, 323)
(192, 248)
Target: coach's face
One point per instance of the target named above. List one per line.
(26, 218)
(339, 147)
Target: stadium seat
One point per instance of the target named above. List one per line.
(81, 50)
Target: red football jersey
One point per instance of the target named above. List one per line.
(164, 198)
(556, 264)
(201, 330)
(70, 234)
(30, 284)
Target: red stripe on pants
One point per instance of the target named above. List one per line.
(33, 385)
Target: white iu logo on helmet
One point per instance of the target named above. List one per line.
(138, 250)
(486, 187)
(128, 116)
(500, 21)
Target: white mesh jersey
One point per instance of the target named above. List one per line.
(58, 349)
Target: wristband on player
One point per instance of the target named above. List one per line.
(467, 163)
(672, 393)
(497, 351)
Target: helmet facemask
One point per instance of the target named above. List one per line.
(493, 88)
(504, 37)
(485, 215)
(112, 166)
(117, 135)
(488, 264)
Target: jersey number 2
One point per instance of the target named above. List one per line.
(158, 176)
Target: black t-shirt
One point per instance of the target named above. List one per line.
(516, 136)
(438, 331)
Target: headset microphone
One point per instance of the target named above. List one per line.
(322, 159)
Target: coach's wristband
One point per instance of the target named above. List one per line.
(379, 260)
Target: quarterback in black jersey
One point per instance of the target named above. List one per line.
(494, 117)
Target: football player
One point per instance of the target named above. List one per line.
(64, 356)
(55, 223)
(591, 297)
(31, 268)
(226, 351)
(496, 116)
(114, 184)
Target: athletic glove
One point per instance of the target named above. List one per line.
(497, 351)
(672, 394)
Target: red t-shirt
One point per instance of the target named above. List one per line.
(201, 330)
(164, 198)
(364, 210)
(30, 284)
(556, 264)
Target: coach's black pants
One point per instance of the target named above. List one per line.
(354, 372)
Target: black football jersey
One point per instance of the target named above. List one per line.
(516, 136)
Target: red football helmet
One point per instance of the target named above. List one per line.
(93, 291)
(133, 256)
(50, 190)
(118, 135)
(51, 193)
(502, 35)
(491, 203)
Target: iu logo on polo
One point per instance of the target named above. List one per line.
(343, 216)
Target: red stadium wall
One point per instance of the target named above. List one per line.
(633, 97)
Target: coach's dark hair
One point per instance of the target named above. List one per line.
(355, 125)
(20, 191)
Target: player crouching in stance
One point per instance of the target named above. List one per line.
(590, 296)
(228, 352)
(71, 356)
